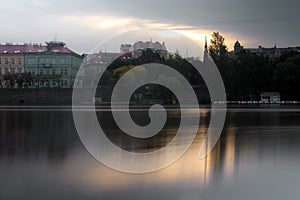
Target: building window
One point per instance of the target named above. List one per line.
(41, 72)
(19, 61)
(66, 82)
(31, 61)
(66, 71)
(53, 71)
(47, 72)
(61, 71)
(62, 61)
(61, 82)
(13, 61)
(6, 61)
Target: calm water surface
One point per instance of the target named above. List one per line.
(257, 157)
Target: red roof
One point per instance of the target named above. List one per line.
(29, 48)
(9, 48)
(61, 49)
(35, 48)
(102, 58)
(105, 57)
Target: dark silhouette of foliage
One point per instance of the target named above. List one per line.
(246, 75)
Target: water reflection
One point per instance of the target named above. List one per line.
(30, 133)
(42, 149)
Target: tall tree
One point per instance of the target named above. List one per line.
(219, 54)
(217, 47)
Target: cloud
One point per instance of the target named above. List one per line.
(254, 22)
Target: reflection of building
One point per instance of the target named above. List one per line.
(137, 48)
(51, 65)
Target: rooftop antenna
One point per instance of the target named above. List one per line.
(187, 51)
(55, 37)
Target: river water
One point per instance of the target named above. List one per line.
(256, 157)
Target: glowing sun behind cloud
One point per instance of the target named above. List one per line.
(114, 25)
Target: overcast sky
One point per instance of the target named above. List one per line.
(82, 24)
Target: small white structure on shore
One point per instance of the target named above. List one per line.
(270, 97)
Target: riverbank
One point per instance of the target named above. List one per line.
(40, 96)
(63, 97)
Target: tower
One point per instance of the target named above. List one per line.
(238, 47)
(205, 56)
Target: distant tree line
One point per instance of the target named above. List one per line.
(246, 75)
(121, 66)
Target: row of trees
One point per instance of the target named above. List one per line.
(15, 80)
(245, 75)
(23, 80)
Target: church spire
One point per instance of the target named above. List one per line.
(205, 43)
(205, 56)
